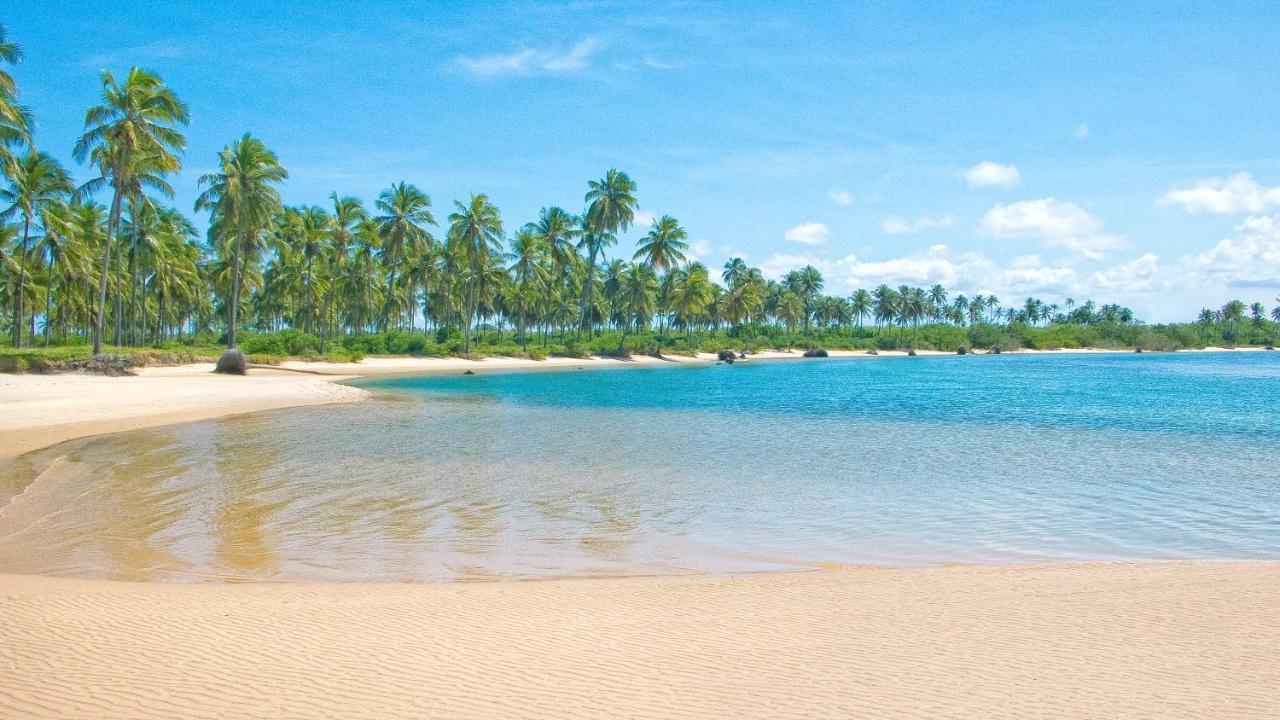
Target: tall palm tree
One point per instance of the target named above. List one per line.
(529, 273)
(611, 208)
(663, 247)
(475, 229)
(33, 183)
(406, 213)
(15, 120)
(861, 305)
(130, 133)
(244, 200)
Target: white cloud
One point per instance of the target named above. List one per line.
(898, 226)
(528, 61)
(840, 197)
(642, 219)
(1053, 222)
(1239, 193)
(1249, 259)
(989, 174)
(1082, 131)
(1245, 265)
(810, 233)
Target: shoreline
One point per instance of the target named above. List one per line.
(45, 410)
(1170, 639)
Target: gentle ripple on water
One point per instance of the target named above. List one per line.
(750, 467)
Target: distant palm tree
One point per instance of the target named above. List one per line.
(243, 199)
(735, 272)
(611, 208)
(406, 213)
(130, 133)
(663, 247)
(861, 305)
(33, 183)
(475, 230)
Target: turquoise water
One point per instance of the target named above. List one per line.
(755, 466)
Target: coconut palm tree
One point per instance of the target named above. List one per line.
(475, 229)
(406, 213)
(861, 305)
(529, 272)
(243, 198)
(131, 133)
(33, 183)
(15, 120)
(664, 245)
(611, 208)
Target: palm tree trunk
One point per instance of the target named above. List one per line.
(100, 310)
(235, 298)
(18, 306)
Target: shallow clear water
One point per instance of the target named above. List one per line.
(756, 466)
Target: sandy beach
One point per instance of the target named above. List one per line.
(1193, 639)
(1144, 640)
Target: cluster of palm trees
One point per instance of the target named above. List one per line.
(135, 270)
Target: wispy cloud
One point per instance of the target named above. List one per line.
(1082, 131)
(528, 62)
(840, 197)
(898, 226)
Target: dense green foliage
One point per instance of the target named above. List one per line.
(342, 280)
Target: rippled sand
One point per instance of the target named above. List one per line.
(1146, 640)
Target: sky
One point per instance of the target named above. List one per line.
(1125, 152)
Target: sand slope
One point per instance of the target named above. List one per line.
(1132, 640)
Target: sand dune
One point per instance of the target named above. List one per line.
(1132, 640)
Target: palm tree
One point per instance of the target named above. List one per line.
(15, 120)
(402, 226)
(663, 247)
(130, 133)
(530, 274)
(33, 183)
(1275, 312)
(611, 208)
(639, 291)
(1232, 314)
(861, 304)
(735, 272)
(475, 228)
(244, 200)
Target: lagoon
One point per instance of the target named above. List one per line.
(694, 468)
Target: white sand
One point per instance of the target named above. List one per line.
(1139, 640)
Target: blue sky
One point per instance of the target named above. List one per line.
(1129, 153)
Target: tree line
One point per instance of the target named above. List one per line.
(109, 260)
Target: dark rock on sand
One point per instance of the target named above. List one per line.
(232, 362)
